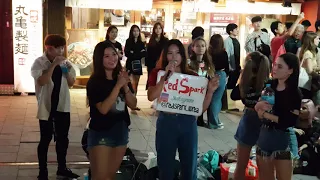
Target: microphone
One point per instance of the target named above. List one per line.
(169, 72)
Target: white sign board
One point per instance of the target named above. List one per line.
(182, 94)
(27, 41)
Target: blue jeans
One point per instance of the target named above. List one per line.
(216, 101)
(249, 128)
(177, 131)
(293, 144)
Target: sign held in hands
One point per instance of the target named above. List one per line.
(182, 94)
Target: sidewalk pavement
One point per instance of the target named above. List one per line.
(19, 135)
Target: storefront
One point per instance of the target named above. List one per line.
(87, 25)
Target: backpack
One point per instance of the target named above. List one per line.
(263, 48)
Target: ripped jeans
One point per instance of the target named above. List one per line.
(273, 143)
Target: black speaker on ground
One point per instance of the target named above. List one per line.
(215, 1)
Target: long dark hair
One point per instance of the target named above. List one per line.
(293, 63)
(163, 60)
(131, 37)
(154, 35)
(110, 28)
(208, 65)
(216, 44)
(98, 67)
(255, 72)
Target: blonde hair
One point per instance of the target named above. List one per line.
(308, 44)
(208, 65)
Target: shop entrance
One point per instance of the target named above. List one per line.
(6, 47)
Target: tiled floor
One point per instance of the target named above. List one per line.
(19, 135)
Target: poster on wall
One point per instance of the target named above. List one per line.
(116, 17)
(27, 41)
(81, 43)
(219, 22)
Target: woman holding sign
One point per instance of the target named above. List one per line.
(201, 63)
(109, 94)
(176, 131)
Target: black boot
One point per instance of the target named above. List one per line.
(66, 173)
(43, 175)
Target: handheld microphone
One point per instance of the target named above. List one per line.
(169, 72)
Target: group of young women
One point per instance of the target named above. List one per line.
(276, 139)
(110, 91)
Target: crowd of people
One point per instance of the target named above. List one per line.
(289, 64)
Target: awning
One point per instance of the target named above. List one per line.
(244, 7)
(140, 5)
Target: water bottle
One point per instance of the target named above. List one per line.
(268, 95)
(85, 176)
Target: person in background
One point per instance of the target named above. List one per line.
(288, 25)
(176, 131)
(111, 36)
(232, 47)
(273, 151)
(201, 63)
(257, 37)
(221, 64)
(306, 24)
(317, 26)
(109, 93)
(293, 43)
(154, 48)
(308, 58)
(281, 34)
(135, 51)
(53, 75)
(196, 32)
(255, 73)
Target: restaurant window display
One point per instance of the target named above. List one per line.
(149, 18)
(183, 24)
(84, 33)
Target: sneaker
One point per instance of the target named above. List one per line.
(66, 173)
(211, 126)
(220, 124)
(43, 175)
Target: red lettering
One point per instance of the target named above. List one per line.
(186, 88)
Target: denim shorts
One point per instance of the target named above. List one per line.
(274, 143)
(249, 128)
(117, 136)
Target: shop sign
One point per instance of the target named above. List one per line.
(182, 94)
(27, 41)
(223, 18)
(185, 40)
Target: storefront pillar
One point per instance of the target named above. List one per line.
(311, 10)
(54, 17)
